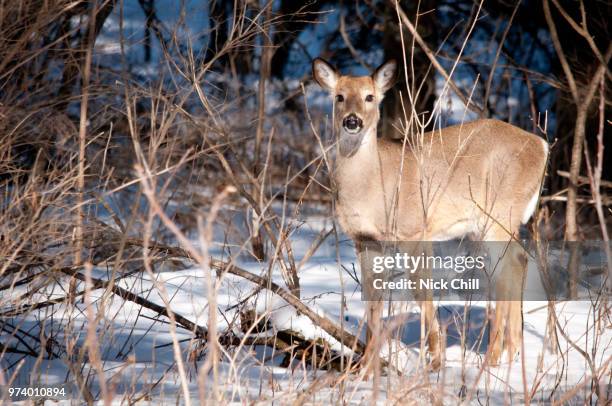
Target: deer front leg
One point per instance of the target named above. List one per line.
(374, 309)
(429, 319)
(373, 333)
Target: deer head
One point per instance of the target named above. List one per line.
(356, 101)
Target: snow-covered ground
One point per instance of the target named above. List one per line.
(136, 344)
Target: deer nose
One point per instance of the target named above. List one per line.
(352, 122)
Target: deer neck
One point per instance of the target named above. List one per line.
(357, 170)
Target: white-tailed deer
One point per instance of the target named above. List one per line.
(481, 178)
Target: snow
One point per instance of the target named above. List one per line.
(136, 345)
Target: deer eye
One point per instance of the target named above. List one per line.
(370, 98)
(339, 98)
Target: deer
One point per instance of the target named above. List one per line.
(481, 178)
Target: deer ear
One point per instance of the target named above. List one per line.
(385, 75)
(325, 75)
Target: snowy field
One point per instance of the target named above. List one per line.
(138, 359)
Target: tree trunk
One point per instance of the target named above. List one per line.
(572, 191)
(74, 62)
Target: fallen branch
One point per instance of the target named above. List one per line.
(327, 325)
(330, 327)
(199, 331)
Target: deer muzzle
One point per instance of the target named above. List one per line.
(352, 123)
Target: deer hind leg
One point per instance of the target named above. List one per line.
(507, 326)
(517, 270)
(496, 332)
(515, 330)
(432, 332)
